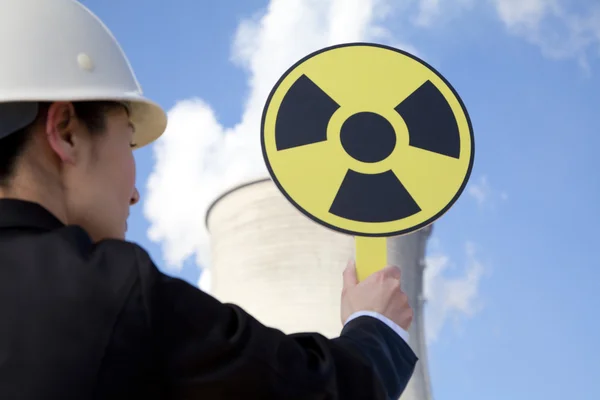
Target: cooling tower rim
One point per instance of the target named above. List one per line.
(230, 190)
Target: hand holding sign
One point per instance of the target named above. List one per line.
(367, 140)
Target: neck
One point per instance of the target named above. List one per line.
(36, 187)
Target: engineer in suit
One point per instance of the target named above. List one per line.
(87, 315)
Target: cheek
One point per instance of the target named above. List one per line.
(122, 175)
(129, 173)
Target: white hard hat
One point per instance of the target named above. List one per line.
(58, 50)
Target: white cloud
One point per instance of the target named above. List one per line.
(452, 297)
(480, 190)
(204, 282)
(525, 12)
(197, 158)
(195, 150)
(483, 193)
(552, 25)
(559, 31)
(431, 11)
(428, 11)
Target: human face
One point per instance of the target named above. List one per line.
(100, 182)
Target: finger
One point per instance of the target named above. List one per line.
(350, 277)
(392, 272)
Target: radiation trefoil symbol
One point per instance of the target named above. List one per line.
(367, 140)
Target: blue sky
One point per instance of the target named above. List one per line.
(514, 270)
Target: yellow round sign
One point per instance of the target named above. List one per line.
(367, 140)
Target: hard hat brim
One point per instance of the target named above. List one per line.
(15, 116)
(149, 120)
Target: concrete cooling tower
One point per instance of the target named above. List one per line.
(286, 270)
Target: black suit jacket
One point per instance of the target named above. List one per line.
(99, 321)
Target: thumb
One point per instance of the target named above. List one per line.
(350, 277)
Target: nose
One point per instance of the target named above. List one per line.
(135, 197)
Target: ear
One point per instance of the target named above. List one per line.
(62, 131)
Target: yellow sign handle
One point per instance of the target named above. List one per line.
(371, 255)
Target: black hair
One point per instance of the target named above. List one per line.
(91, 113)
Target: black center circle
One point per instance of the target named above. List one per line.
(368, 137)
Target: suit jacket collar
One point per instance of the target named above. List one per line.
(15, 213)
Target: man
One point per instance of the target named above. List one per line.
(85, 314)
